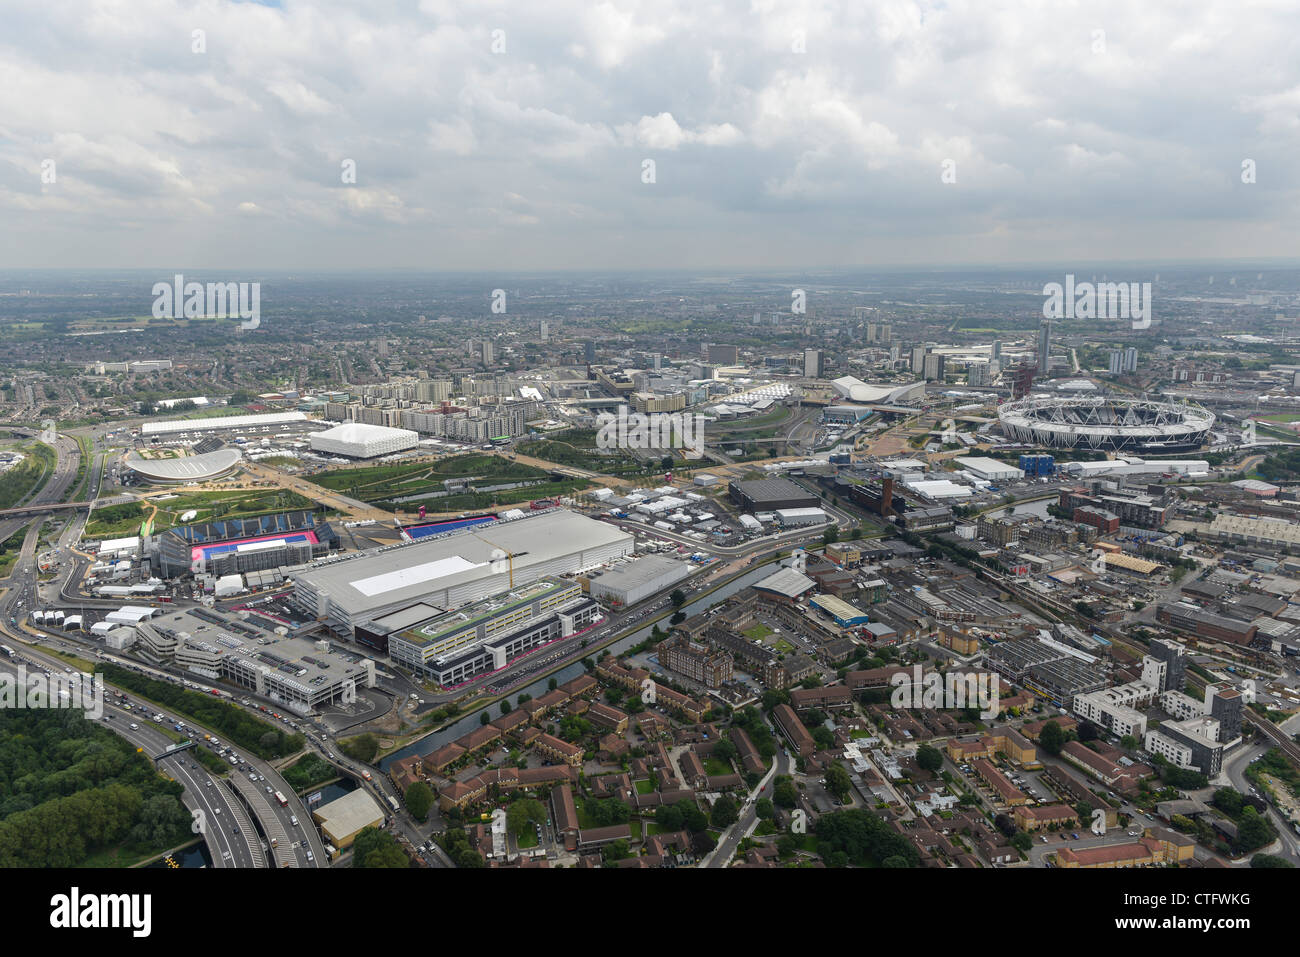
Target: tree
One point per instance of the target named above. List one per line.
(678, 598)
(785, 794)
(552, 684)
(1253, 830)
(419, 799)
(505, 708)
(929, 758)
(724, 750)
(363, 747)
(787, 845)
(1128, 742)
(615, 851)
(764, 808)
(725, 813)
(1269, 860)
(376, 848)
(523, 814)
(484, 717)
(1051, 738)
(837, 781)
(669, 817)
(1021, 841)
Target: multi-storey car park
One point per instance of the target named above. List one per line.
(299, 673)
(1106, 423)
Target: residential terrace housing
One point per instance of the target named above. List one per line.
(558, 750)
(827, 698)
(788, 723)
(1104, 769)
(1157, 848)
(609, 717)
(1045, 816)
(1006, 794)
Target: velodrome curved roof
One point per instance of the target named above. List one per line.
(190, 468)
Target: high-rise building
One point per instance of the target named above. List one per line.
(995, 351)
(1123, 361)
(933, 368)
(381, 347)
(977, 374)
(544, 331)
(1226, 705)
(590, 350)
(488, 352)
(813, 363)
(1174, 656)
(918, 359)
(1044, 346)
(723, 355)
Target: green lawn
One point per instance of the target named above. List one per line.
(645, 786)
(529, 838)
(715, 766)
(758, 632)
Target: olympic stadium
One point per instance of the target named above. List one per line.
(1106, 423)
(188, 468)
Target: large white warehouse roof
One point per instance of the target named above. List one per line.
(220, 422)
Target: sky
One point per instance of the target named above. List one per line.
(509, 136)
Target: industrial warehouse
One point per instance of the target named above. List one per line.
(452, 570)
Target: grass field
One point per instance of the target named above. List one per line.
(382, 483)
(757, 632)
(10, 549)
(28, 476)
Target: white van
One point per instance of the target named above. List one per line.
(293, 819)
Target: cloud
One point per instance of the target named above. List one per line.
(793, 132)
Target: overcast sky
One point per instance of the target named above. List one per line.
(1066, 143)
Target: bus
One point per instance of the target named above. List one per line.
(281, 799)
(8, 652)
(392, 801)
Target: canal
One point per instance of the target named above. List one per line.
(470, 721)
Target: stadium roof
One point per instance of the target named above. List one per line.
(854, 389)
(188, 468)
(217, 423)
